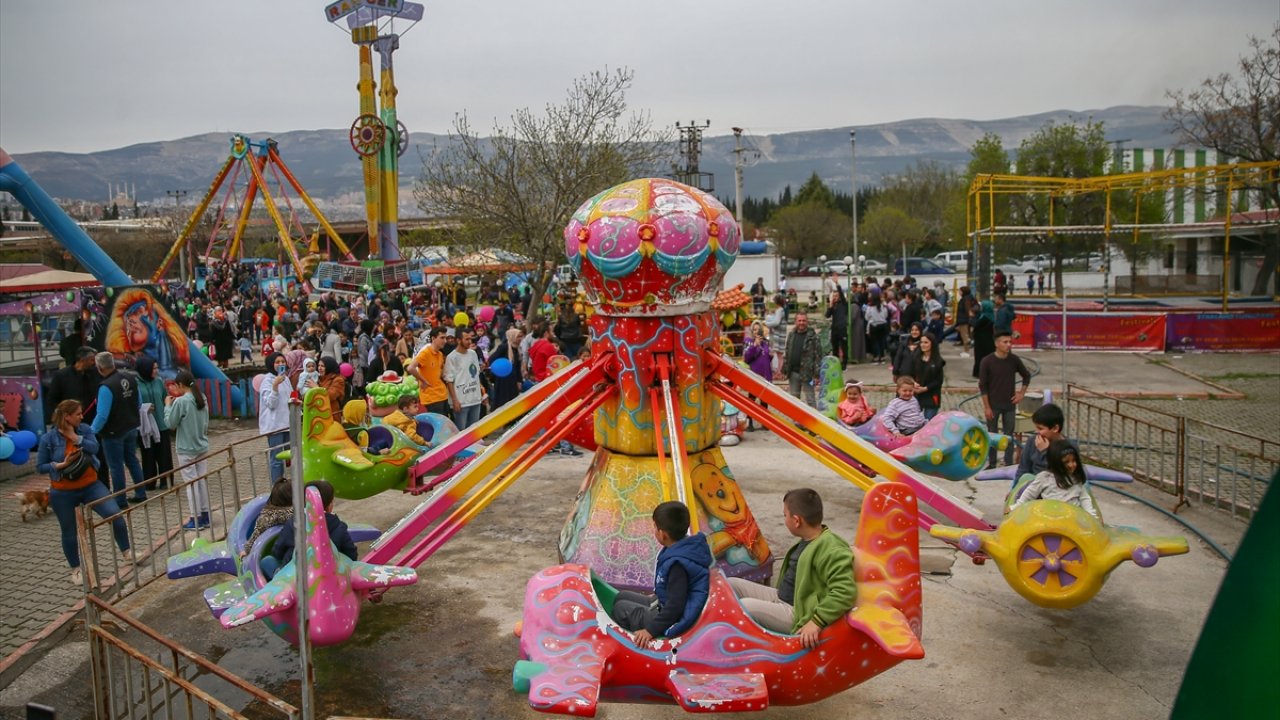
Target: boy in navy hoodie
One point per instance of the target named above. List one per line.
(682, 580)
(282, 549)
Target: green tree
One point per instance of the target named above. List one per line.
(888, 230)
(517, 188)
(815, 191)
(1239, 116)
(807, 230)
(1072, 150)
(924, 191)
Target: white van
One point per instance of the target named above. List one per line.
(956, 259)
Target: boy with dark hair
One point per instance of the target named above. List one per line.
(682, 580)
(282, 549)
(815, 587)
(998, 374)
(1049, 421)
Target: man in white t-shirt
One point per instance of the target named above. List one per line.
(462, 377)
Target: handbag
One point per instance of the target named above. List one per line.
(81, 461)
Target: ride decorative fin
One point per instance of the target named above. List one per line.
(889, 628)
(367, 577)
(222, 596)
(276, 596)
(204, 558)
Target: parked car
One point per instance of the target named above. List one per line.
(836, 266)
(919, 266)
(869, 267)
(954, 259)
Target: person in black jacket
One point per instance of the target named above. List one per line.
(927, 370)
(838, 311)
(282, 549)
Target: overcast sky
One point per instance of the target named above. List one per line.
(84, 75)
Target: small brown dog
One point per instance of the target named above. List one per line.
(35, 502)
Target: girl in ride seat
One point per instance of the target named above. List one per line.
(1064, 480)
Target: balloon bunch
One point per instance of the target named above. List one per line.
(16, 446)
(386, 394)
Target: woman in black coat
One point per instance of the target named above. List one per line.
(984, 334)
(927, 370)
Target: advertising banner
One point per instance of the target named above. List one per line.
(1224, 332)
(1102, 331)
(1024, 332)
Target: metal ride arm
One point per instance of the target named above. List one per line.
(334, 237)
(465, 513)
(194, 219)
(255, 164)
(675, 436)
(542, 417)
(281, 227)
(885, 467)
(493, 422)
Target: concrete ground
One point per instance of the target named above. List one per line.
(444, 646)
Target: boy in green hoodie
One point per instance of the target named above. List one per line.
(815, 586)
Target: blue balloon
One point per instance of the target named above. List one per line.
(20, 457)
(6, 447)
(23, 439)
(501, 367)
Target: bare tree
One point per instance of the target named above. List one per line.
(517, 188)
(1239, 116)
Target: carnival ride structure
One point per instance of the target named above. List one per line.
(336, 586)
(246, 175)
(16, 181)
(651, 253)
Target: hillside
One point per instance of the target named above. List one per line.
(327, 167)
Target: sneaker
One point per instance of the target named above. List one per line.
(203, 522)
(190, 524)
(570, 451)
(76, 577)
(964, 354)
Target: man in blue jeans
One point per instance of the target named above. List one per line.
(116, 425)
(997, 379)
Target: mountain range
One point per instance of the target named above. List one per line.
(325, 164)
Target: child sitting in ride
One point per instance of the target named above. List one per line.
(402, 418)
(277, 511)
(903, 416)
(282, 549)
(815, 587)
(1048, 419)
(682, 580)
(309, 377)
(854, 409)
(1064, 480)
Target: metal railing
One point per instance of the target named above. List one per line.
(1189, 459)
(234, 475)
(150, 676)
(146, 674)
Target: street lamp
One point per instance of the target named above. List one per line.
(849, 270)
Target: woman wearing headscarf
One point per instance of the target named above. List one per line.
(334, 385)
(294, 361)
(154, 435)
(984, 334)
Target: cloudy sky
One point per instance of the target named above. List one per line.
(83, 75)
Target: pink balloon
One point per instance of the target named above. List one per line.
(485, 313)
(346, 370)
(257, 382)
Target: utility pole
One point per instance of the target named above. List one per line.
(853, 173)
(690, 150)
(177, 196)
(738, 164)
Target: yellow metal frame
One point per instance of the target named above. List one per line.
(984, 189)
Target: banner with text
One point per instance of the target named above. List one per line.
(1102, 331)
(1224, 332)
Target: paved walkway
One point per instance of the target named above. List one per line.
(35, 584)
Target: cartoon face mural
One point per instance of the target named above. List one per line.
(731, 520)
(139, 323)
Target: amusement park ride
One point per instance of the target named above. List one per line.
(376, 135)
(651, 255)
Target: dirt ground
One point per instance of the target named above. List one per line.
(445, 648)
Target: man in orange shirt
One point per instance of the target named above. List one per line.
(427, 367)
